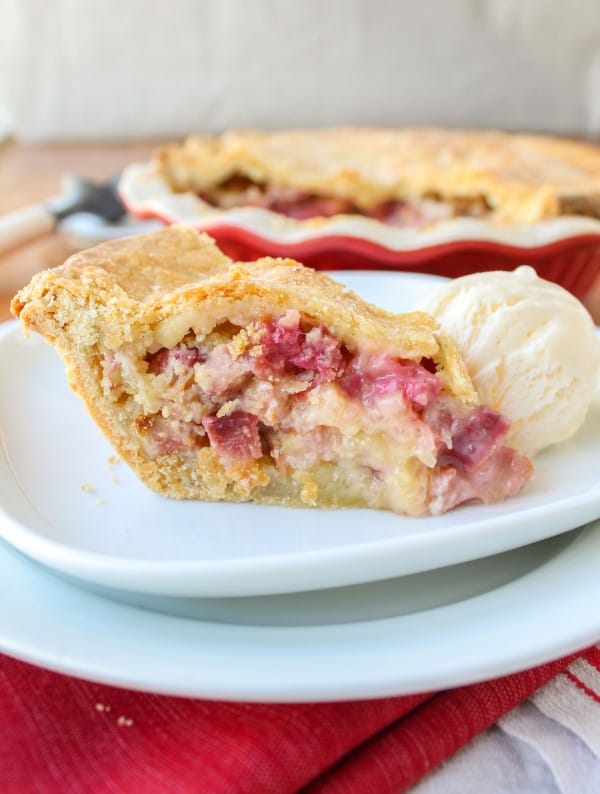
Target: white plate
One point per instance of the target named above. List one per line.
(122, 535)
(551, 608)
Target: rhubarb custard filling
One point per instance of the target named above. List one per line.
(281, 403)
(241, 191)
(267, 381)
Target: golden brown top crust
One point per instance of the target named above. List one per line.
(143, 287)
(522, 177)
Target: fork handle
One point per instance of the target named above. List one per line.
(24, 224)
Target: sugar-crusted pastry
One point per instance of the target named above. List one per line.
(407, 177)
(266, 381)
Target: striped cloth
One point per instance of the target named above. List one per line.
(60, 734)
(547, 745)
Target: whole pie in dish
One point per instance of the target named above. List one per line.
(404, 178)
(267, 381)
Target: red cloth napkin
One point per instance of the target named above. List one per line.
(60, 734)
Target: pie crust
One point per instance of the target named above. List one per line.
(508, 178)
(266, 381)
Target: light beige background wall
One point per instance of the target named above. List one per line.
(115, 68)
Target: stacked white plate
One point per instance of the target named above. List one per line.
(103, 579)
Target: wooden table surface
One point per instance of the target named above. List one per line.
(32, 173)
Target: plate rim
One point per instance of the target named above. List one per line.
(241, 577)
(269, 660)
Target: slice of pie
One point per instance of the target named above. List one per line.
(408, 177)
(267, 381)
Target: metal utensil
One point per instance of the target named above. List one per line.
(78, 195)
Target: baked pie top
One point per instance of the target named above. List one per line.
(147, 282)
(506, 177)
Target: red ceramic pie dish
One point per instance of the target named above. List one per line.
(565, 250)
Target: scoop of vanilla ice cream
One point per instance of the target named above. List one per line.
(530, 348)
